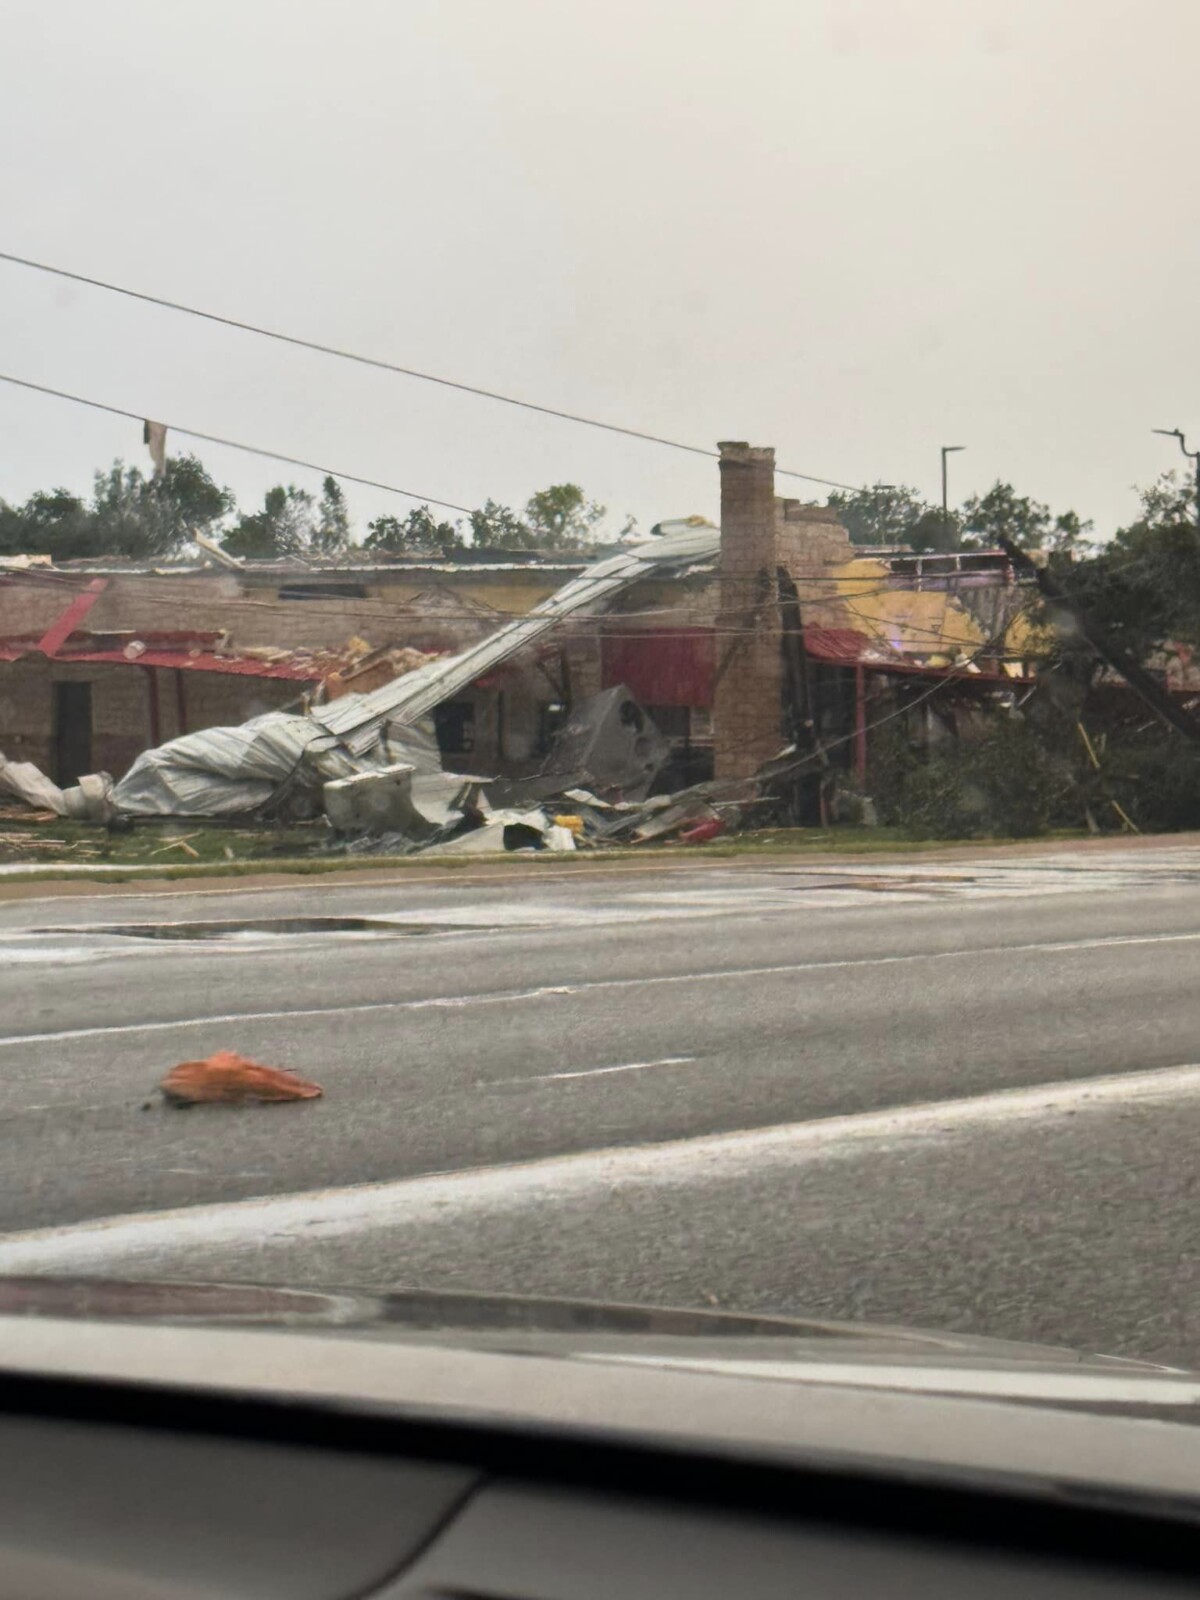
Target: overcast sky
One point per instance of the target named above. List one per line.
(852, 229)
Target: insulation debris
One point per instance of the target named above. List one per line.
(230, 1079)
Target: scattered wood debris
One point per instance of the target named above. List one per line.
(179, 844)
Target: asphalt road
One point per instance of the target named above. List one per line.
(960, 1095)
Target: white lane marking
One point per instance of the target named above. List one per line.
(596, 1072)
(1012, 1383)
(588, 986)
(47, 956)
(159, 1237)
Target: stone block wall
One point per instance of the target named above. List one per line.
(748, 700)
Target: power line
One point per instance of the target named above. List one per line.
(234, 444)
(392, 366)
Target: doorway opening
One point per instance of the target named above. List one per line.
(72, 732)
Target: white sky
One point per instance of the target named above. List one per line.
(853, 229)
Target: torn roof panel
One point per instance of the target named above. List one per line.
(846, 647)
(357, 718)
(187, 651)
(190, 650)
(838, 646)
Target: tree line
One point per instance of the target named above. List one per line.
(1142, 583)
(134, 515)
(894, 514)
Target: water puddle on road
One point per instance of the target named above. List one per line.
(260, 927)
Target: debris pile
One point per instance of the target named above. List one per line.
(355, 667)
(365, 754)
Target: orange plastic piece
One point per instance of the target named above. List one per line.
(229, 1078)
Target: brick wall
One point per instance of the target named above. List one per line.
(120, 712)
(123, 707)
(215, 700)
(748, 703)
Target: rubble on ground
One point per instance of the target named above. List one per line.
(395, 798)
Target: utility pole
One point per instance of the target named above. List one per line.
(1192, 455)
(947, 450)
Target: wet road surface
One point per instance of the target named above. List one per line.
(956, 1094)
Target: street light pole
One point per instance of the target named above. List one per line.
(947, 450)
(1192, 455)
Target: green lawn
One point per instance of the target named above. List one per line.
(175, 849)
(163, 844)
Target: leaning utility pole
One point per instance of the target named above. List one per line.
(1135, 675)
(1192, 455)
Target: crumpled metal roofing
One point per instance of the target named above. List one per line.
(357, 718)
(846, 647)
(231, 770)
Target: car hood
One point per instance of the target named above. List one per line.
(788, 1349)
(759, 1387)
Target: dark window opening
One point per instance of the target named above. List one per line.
(551, 718)
(689, 728)
(72, 732)
(673, 722)
(455, 724)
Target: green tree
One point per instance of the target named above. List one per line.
(884, 514)
(188, 501)
(495, 527)
(332, 534)
(129, 515)
(419, 533)
(146, 517)
(1143, 586)
(937, 532)
(1004, 514)
(561, 518)
(55, 523)
(284, 527)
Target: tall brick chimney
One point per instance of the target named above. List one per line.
(748, 703)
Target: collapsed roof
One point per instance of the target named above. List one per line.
(230, 770)
(358, 719)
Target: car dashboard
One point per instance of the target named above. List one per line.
(141, 1492)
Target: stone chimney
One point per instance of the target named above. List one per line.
(748, 702)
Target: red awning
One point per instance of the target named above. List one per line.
(184, 652)
(670, 667)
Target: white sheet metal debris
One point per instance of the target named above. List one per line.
(399, 800)
(90, 800)
(274, 760)
(503, 830)
(30, 784)
(610, 743)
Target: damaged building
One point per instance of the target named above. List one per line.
(772, 640)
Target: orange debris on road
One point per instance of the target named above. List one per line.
(229, 1078)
